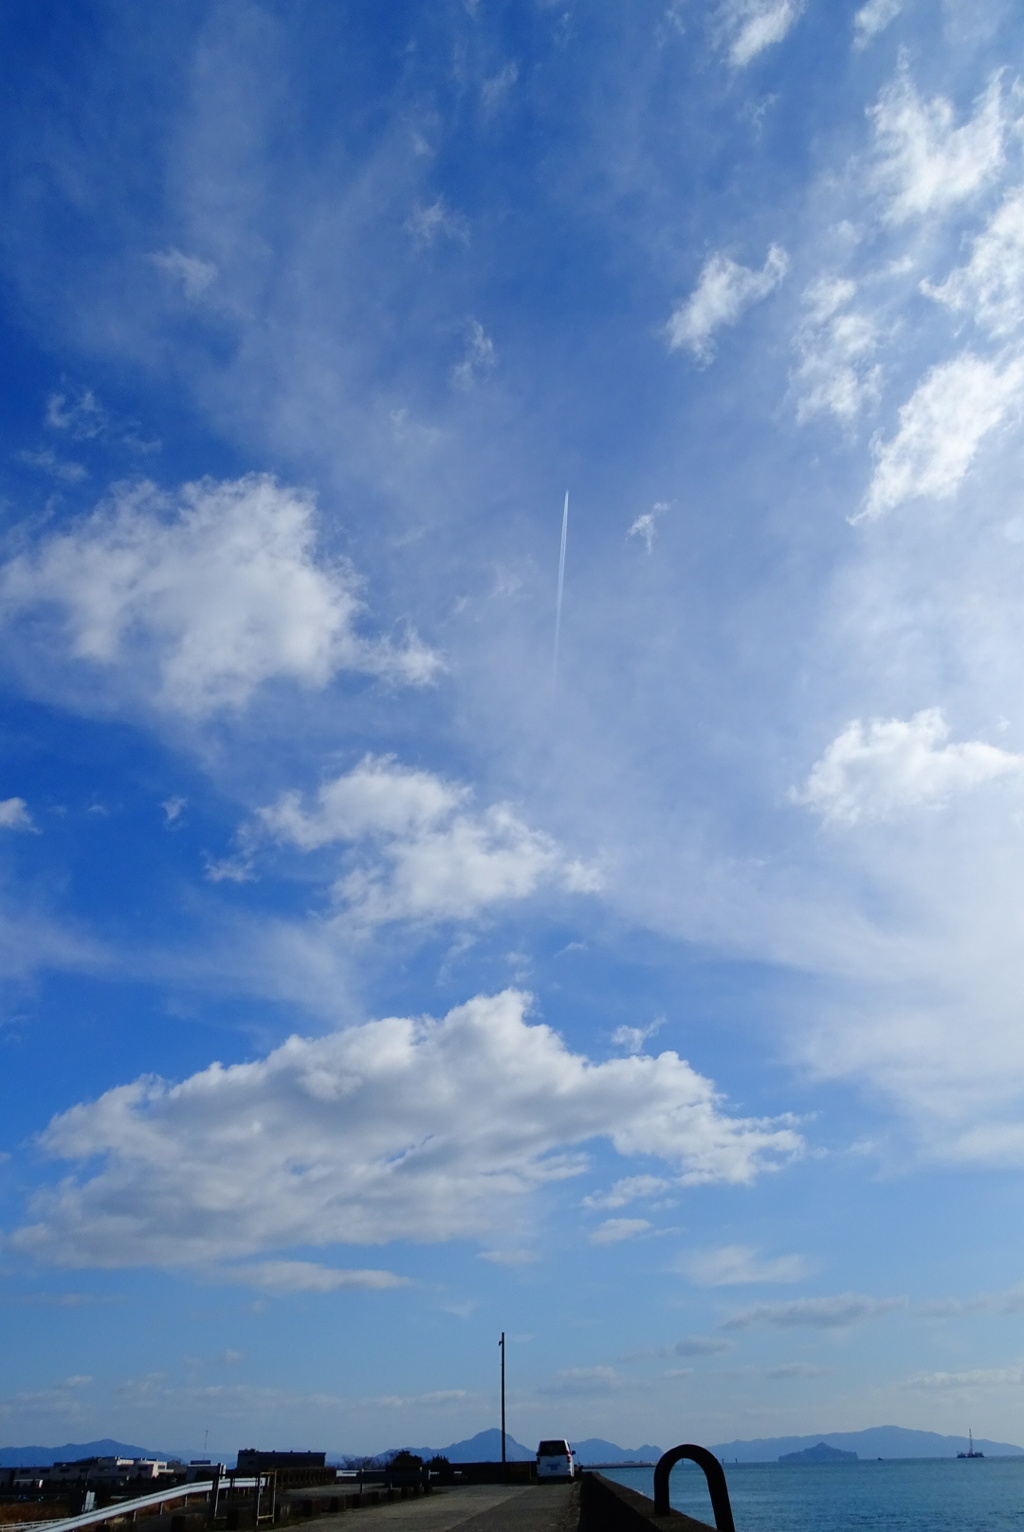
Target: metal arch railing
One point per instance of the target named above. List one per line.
(127, 1508)
(713, 1473)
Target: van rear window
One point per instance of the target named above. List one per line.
(553, 1449)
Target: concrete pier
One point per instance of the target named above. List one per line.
(472, 1508)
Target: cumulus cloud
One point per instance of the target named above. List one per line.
(874, 18)
(14, 815)
(836, 373)
(632, 1039)
(941, 427)
(192, 274)
(423, 852)
(724, 291)
(880, 769)
(754, 25)
(397, 1129)
(200, 600)
(818, 1313)
(732, 1265)
(614, 1230)
(990, 287)
(925, 164)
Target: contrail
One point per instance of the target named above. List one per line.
(561, 582)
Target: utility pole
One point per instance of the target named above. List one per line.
(501, 1343)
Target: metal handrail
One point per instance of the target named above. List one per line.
(713, 1473)
(129, 1507)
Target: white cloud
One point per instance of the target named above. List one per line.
(614, 1230)
(925, 164)
(733, 1265)
(874, 18)
(397, 1129)
(495, 91)
(436, 221)
(307, 1277)
(14, 815)
(632, 1039)
(193, 274)
(753, 25)
(58, 468)
(173, 809)
(429, 854)
(646, 524)
(837, 373)
(817, 1313)
(941, 427)
(702, 1345)
(198, 602)
(724, 290)
(991, 286)
(629, 1189)
(877, 770)
(82, 418)
(480, 357)
(975, 1377)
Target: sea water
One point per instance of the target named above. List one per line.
(908, 1495)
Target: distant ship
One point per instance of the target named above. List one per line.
(971, 1453)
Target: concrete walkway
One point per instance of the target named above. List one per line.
(472, 1507)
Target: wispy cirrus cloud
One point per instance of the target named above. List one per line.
(724, 291)
(834, 1313)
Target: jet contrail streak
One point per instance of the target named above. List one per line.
(561, 582)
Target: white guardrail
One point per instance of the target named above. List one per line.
(120, 1508)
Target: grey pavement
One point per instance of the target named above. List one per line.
(473, 1507)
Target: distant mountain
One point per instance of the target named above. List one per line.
(484, 1447)
(822, 1453)
(876, 1442)
(596, 1450)
(40, 1457)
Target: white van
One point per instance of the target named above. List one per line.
(556, 1460)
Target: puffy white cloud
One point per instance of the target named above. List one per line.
(941, 427)
(614, 1230)
(874, 18)
(753, 25)
(425, 853)
(397, 1129)
(926, 165)
(991, 286)
(201, 600)
(733, 1265)
(817, 1313)
(724, 291)
(14, 815)
(836, 373)
(875, 771)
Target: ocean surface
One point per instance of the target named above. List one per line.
(910, 1495)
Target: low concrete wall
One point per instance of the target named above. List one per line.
(609, 1507)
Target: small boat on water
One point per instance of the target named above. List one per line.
(970, 1453)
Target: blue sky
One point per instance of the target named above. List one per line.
(371, 988)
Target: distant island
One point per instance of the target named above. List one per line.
(875, 1442)
(822, 1453)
